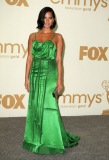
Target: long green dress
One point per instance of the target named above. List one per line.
(44, 130)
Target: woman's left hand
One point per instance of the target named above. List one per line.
(59, 86)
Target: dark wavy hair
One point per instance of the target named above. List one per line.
(40, 21)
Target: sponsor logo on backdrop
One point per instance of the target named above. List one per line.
(94, 53)
(17, 2)
(79, 100)
(84, 5)
(105, 85)
(9, 50)
(85, 100)
(12, 101)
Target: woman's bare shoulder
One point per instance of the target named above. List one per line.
(32, 35)
(59, 36)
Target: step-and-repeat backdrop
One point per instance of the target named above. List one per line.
(84, 25)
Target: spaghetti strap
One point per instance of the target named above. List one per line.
(53, 36)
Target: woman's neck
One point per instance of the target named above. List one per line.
(46, 30)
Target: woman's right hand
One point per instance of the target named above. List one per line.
(27, 85)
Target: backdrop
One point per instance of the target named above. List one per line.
(84, 25)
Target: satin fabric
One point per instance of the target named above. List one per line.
(44, 130)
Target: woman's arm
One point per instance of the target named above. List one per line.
(59, 62)
(28, 63)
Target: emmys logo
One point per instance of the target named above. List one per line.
(93, 53)
(15, 50)
(12, 101)
(105, 85)
(85, 4)
(17, 2)
(81, 99)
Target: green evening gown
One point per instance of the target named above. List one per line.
(44, 130)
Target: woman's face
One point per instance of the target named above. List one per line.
(48, 20)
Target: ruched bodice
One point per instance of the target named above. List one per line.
(43, 50)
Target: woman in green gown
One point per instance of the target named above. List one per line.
(44, 130)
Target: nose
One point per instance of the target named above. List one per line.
(47, 20)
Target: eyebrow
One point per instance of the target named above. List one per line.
(49, 16)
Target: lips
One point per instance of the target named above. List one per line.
(47, 24)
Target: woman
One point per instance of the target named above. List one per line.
(44, 130)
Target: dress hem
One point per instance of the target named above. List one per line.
(41, 149)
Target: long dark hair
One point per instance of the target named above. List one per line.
(40, 21)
